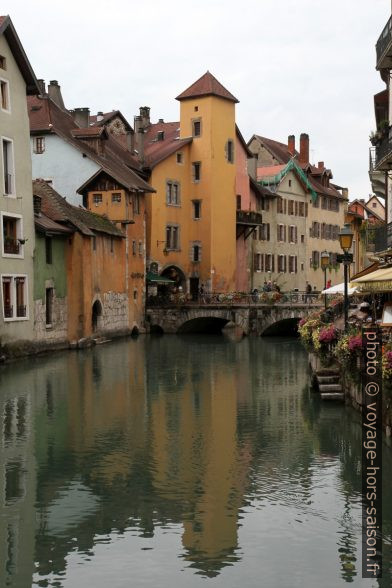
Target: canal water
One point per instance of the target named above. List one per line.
(194, 461)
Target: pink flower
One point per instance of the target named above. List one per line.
(355, 342)
(328, 334)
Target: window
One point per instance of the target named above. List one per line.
(281, 263)
(172, 238)
(292, 234)
(269, 262)
(136, 203)
(302, 238)
(315, 259)
(196, 253)
(116, 197)
(3, 62)
(14, 293)
(97, 199)
(374, 204)
(5, 95)
(291, 207)
(264, 203)
(179, 157)
(48, 249)
(292, 264)
(12, 235)
(135, 294)
(196, 171)
(301, 209)
(264, 232)
(238, 201)
(316, 202)
(281, 236)
(133, 247)
(289, 183)
(196, 108)
(140, 248)
(49, 306)
(39, 144)
(172, 193)
(196, 128)
(324, 202)
(196, 209)
(230, 151)
(258, 262)
(279, 204)
(8, 167)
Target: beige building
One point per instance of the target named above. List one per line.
(16, 202)
(302, 217)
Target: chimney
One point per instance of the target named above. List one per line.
(291, 144)
(145, 116)
(99, 116)
(130, 141)
(320, 165)
(37, 204)
(81, 117)
(54, 91)
(41, 84)
(304, 149)
(139, 136)
(345, 193)
(160, 120)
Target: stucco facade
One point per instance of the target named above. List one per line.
(54, 165)
(16, 207)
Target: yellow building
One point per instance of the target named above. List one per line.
(191, 221)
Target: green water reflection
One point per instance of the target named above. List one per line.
(179, 461)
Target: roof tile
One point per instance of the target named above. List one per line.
(207, 85)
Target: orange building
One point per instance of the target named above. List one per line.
(191, 221)
(97, 300)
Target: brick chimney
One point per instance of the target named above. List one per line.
(54, 91)
(304, 149)
(291, 144)
(81, 116)
(139, 136)
(99, 116)
(321, 165)
(145, 116)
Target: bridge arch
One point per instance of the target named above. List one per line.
(285, 326)
(203, 324)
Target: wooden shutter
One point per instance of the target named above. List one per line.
(295, 264)
(306, 209)
(296, 234)
(284, 234)
(262, 262)
(268, 231)
(296, 208)
(255, 262)
(273, 262)
(284, 205)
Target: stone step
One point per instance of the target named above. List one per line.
(327, 372)
(333, 396)
(327, 379)
(330, 388)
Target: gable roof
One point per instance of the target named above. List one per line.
(279, 150)
(207, 85)
(156, 150)
(46, 116)
(8, 30)
(107, 117)
(364, 205)
(59, 210)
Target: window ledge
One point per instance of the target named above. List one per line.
(15, 319)
(174, 205)
(13, 256)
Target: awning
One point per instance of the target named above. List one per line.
(378, 281)
(158, 279)
(339, 289)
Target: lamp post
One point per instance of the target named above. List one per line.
(346, 239)
(324, 265)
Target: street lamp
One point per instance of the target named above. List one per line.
(346, 238)
(324, 265)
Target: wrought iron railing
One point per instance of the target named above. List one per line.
(21, 311)
(379, 237)
(8, 312)
(384, 148)
(249, 217)
(384, 40)
(236, 299)
(11, 246)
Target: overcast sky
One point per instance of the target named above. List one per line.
(295, 65)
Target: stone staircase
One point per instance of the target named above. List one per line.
(328, 385)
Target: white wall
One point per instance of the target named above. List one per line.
(64, 165)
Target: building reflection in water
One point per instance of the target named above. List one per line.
(142, 434)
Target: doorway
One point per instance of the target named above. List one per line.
(194, 288)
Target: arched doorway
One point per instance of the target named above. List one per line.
(174, 273)
(96, 315)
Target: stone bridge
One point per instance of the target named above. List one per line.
(254, 319)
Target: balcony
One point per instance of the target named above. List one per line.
(383, 158)
(384, 47)
(379, 238)
(377, 178)
(247, 221)
(11, 246)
